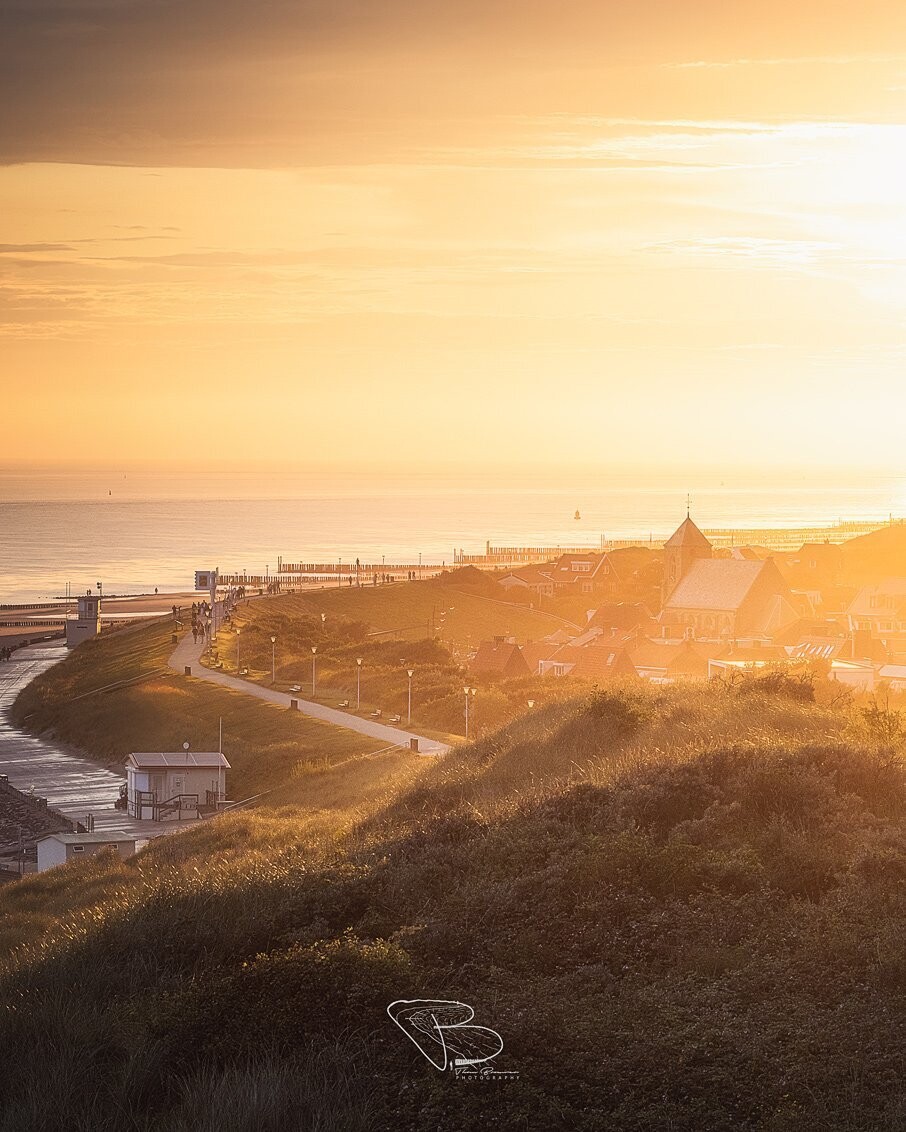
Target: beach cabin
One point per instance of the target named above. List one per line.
(175, 785)
(58, 848)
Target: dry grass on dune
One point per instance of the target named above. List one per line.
(682, 907)
(462, 617)
(549, 751)
(310, 818)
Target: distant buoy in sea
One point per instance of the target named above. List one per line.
(577, 515)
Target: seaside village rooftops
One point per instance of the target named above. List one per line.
(720, 610)
(739, 607)
(621, 615)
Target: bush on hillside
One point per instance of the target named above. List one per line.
(798, 685)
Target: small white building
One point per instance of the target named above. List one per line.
(58, 848)
(175, 785)
(894, 675)
(87, 622)
(854, 673)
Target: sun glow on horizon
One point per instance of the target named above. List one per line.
(581, 276)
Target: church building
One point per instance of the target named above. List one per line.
(721, 598)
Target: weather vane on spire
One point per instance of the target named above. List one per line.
(688, 505)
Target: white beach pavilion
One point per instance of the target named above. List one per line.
(175, 785)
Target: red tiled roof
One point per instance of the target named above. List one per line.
(603, 662)
(497, 657)
(621, 615)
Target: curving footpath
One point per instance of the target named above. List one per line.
(187, 654)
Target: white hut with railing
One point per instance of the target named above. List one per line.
(175, 785)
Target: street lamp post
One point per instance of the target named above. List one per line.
(469, 692)
(314, 649)
(358, 683)
(409, 722)
(273, 660)
(237, 652)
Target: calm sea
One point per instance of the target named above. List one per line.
(134, 531)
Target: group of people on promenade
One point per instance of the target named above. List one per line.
(386, 579)
(201, 621)
(6, 654)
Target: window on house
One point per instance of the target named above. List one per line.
(78, 848)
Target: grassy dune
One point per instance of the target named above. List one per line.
(89, 701)
(681, 908)
(462, 616)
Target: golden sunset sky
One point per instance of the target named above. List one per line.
(474, 230)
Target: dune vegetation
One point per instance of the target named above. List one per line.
(460, 609)
(680, 908)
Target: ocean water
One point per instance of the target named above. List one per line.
(134, 531)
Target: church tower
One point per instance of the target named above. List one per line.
(686, 546)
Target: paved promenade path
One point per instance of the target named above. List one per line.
(188, 654)
(72, 784)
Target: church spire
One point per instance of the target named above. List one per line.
(684, 547)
